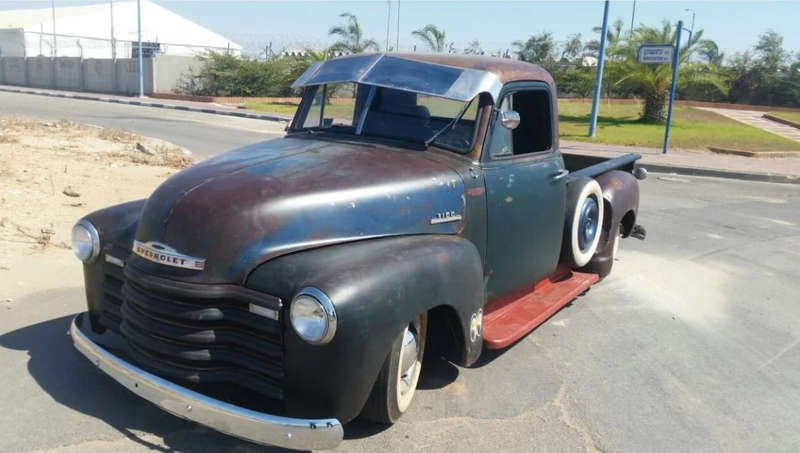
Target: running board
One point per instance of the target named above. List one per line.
(506, 321)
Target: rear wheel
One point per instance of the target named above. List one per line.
(397, 380)
(583, 223)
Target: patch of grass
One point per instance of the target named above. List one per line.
(691, 129)
(791, 116)
(271, 107)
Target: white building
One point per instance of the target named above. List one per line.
(86, 31)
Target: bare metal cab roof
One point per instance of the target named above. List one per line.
(400, 72)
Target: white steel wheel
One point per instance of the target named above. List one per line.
(584, 221)
(397, 381)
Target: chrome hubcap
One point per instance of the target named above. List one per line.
(587, 226)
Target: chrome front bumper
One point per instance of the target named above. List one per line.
(229, 419)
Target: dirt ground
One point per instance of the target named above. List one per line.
(52, 174)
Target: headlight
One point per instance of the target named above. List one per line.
(313, 316)
(85, 241)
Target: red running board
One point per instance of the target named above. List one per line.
(507, 320)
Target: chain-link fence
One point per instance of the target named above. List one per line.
(268, 46)
(33, 44)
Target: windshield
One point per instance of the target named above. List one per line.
(390, 113)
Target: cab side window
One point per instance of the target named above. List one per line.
(535, 131)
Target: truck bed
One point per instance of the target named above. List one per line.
(580, 165)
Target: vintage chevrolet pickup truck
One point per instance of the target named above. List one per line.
(418, 201)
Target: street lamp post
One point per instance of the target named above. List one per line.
(691, 31)
(388, 23)
(141, 63)
(55, 39)
(397, 43)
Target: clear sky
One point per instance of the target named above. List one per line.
(734, 25)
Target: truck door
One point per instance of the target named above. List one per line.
(525, 191)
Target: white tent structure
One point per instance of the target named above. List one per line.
(86, 31)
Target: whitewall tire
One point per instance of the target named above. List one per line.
(397, 381)
(584, 221)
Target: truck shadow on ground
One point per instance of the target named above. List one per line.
(72, 381)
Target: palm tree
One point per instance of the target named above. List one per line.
(431, 37)
(653, 81)
(709, 52)
(351, 36)
(313, 55)
(614, 39)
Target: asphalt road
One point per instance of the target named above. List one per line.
(203, 134)
(690, 345)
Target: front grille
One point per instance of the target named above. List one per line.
(202, 334)
(112, 292)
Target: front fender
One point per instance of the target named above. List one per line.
(116, 226)
(378, 287)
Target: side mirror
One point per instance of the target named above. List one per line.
(509, 119)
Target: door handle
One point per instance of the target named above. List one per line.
(561, 174)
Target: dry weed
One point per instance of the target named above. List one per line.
(42, 239)
(5, 166)
(117, 135)
(71, 126)
(5, 138)
(164, 155)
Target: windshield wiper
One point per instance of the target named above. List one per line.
(449, 125)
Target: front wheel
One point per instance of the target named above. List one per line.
(398, 377)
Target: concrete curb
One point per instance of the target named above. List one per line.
(761, 154)
(254, 116)
(781, 120)
(727, 174)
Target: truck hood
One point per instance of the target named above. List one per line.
(247, 206)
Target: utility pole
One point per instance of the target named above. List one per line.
(141, 63)
(598, 82)
(633, 15)
(113, 44)
(388, 22)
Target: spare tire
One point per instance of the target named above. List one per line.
(583, 223)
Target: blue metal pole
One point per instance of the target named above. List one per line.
(675, 59)
(598, 81)
(141, 63)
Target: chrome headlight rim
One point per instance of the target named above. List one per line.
(94, 237)
(331, 320)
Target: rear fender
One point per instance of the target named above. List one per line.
(377, 288)
(621, 205)
(621, 193)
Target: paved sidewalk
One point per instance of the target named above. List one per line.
(699, 163)
(755, 119)
(200, 107)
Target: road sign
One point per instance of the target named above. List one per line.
(656, 53)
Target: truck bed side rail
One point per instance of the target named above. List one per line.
(580, 165)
